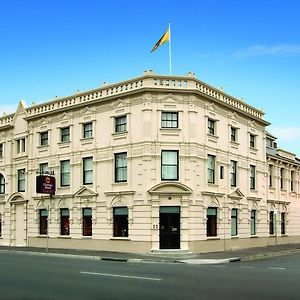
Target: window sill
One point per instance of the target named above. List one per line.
(283, 235)
(88, 140)
(43, 147)
(254, 236)
(120, 183)
(211, 238)
(119, 238)
(42, 236)
(170, 131)
(64, 237)
(88, 237)
(234, 237)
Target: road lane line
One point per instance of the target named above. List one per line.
(276, 268)
(120, 276)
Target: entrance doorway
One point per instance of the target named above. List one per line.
(20, 226)
(169, 229)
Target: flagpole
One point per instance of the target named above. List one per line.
(170, 56)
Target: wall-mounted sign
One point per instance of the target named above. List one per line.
(45, 184)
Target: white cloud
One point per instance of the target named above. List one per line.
(287, 133)
(259, 50)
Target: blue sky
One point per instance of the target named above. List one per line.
(250, 48)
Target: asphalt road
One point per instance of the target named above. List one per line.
(24, 276)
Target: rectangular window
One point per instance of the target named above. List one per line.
(253, 222)
(211, 221)
(87, 222)
(121, 124)
(233, 172)
(21, 146)
(21, 180)
(121, 167)
(64, 221)
(43, 221)
(120, 221)
(234, 222)
(44, 168)
(65, 134)
(211, 168)
(233, 134)
(221, 172)
(282, 220)
(88, 130)
(169, 165)
(270, 175)
(44, 138)
(271, 222)
(0, 225)
(282, 173)
(211, 126)
(87, 170)
(252, 177)
(252, 141)
(169, 119)
(292, 180)
(65, 173)
(1, 150)
(2, 184)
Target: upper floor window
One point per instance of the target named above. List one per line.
(252, 141)
(87, 130)
(292, 180)
(121, 167)
(2, 184)
(211, 126)
(169, 119)
(1, 150)
(252, 177)
(211, 161)
(121, 124)
(65, 173)
(270, 175)
(21, 180)
(87, 170)
(65, 134)
(169, 165)
(233, 134)
(233, 171)
(21, 147)
(44, 168)
(282, 174)
(44, 138)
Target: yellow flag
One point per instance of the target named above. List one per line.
(165, 38)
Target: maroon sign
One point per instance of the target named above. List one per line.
(45, 184)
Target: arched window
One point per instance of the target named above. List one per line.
(2, 184)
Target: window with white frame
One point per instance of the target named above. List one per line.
(65, 173)
(121, 167)
(211, 167)
(169, 119)
(233, 173)
(233, 134)
(65, 134)
(121, 124)
(253, 222)
(87, 170)
(2, 184)
(44, 168)
(87, 130)
(21, 180)
(21, 146)
(169, 165)
(44, 138)
(252, 177)
(252, 141)
(211, 126)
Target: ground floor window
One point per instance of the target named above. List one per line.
(43, 221)
(211, 223)
(64, 221)
(0, 225)
(120, 215)
(271, 222)
(282, 223)
(234, 222)
(87, 222)
(253, 222)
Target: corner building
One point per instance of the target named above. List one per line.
(152, 163)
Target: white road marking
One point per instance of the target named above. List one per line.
(120, 276)
(277, 268)
(247, 267)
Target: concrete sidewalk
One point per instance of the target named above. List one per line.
(166, 256)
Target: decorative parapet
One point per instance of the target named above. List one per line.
(148, 81)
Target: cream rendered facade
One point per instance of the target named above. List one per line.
(206, 118)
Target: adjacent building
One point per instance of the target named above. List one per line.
(152, 163)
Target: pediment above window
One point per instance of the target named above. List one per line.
(236, 194)
(85, 192)
(170, 188)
